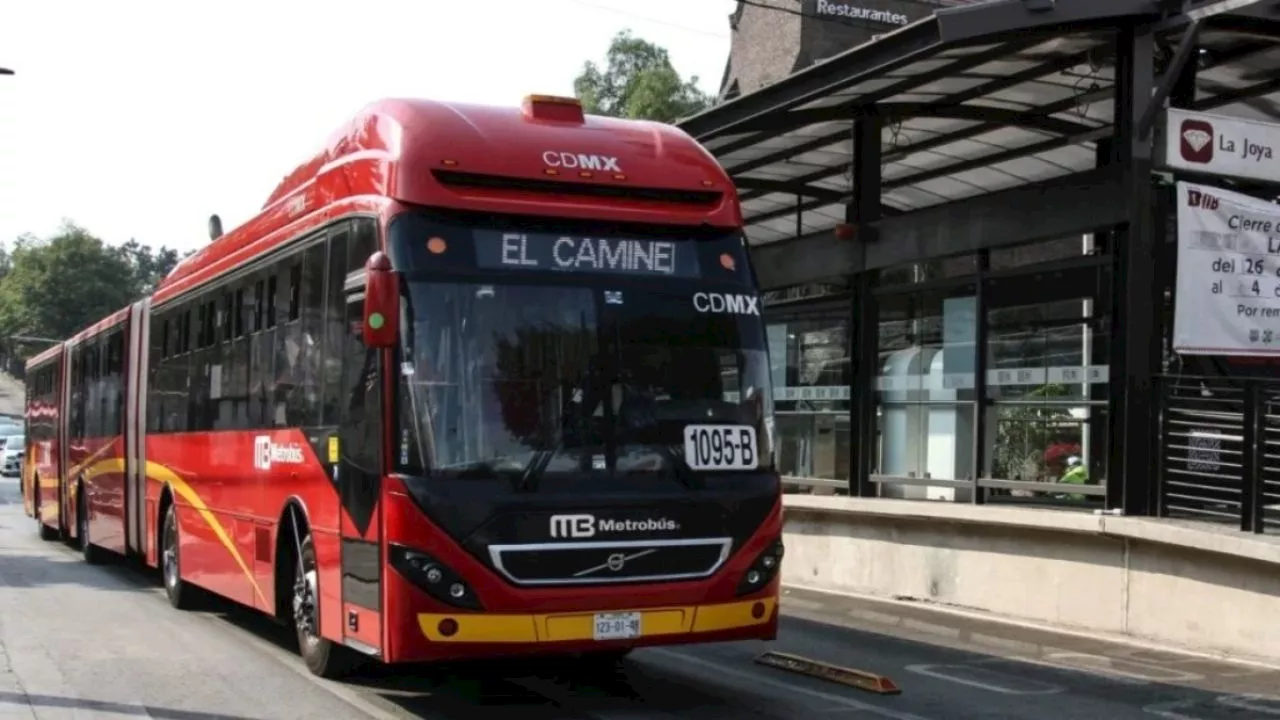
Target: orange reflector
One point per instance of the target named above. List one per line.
(870, 682)
(708, 183)
(550, 171)
(726, 262)
(449, 162)
(619, 177)
(585, 173)
(437, 245)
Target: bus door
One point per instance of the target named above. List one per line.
(358, 450)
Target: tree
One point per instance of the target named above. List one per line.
(57, 286)
(149, 266)
(638, 82)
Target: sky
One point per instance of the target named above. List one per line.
(140, 118)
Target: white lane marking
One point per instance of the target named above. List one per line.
(930, 628)
(760, 679)
(1250, 672)
(1249, 702)
(1168, 710)
(1015, 646)
(875, 616)
(1062, 666)
(794, 602)
(1124, 668)
(1157, 657)
(994, 680)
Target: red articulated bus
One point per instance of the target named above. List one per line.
(476, 382)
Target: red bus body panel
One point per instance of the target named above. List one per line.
(42, 462)
(234, 517)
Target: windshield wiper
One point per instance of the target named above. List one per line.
(683, 472)
(533, 471)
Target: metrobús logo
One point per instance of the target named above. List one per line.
(1196, 198)
(584, 526)
(267, 453)
(1195, 141)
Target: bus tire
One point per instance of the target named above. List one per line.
(92, 554)
(182, 595)
(323, 657)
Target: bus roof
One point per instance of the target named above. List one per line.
(543, 158)
(44, 356)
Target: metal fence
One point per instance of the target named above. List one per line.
(1219, 450)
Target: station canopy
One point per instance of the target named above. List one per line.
(973, 100)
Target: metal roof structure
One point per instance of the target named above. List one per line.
(973, 100)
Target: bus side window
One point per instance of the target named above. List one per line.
(364, 241)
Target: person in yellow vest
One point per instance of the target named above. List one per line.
(1076, 474)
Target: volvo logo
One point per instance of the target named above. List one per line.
(615, 562)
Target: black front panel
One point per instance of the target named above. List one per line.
(569, 526)
(594, 563)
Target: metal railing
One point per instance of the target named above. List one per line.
(829, 486)
(1219, 450)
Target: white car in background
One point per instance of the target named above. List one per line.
(11, 455)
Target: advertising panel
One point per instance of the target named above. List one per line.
(1228, 284)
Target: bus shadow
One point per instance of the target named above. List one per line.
(533, 688)
(40, 703)
(21, 569)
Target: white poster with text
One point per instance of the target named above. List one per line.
(1228, 297)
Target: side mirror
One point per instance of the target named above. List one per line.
(381, 303)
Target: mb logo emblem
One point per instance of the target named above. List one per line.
(573, 526)
(262, 452)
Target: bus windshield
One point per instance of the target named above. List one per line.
(523, 376)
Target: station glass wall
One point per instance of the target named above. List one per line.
(809, 353)
(1047, 308)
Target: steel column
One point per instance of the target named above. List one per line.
(1134, 338)
(862, 211)
(981, 458)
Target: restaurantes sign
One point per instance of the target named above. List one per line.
(1221, 145)
(852, 11)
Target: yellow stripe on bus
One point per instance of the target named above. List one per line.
(568, 627)
(161, 474)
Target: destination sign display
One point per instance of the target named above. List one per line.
(547, 252)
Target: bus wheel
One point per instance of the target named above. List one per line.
(324, 658)
(93, 554)
(181, 595)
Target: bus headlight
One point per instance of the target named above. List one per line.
(433, 577)
(763, 570)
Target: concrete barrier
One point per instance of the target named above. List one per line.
(1203, 588)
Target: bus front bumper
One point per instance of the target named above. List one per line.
(465, 634)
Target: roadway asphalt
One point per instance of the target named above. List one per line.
(109, 645)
